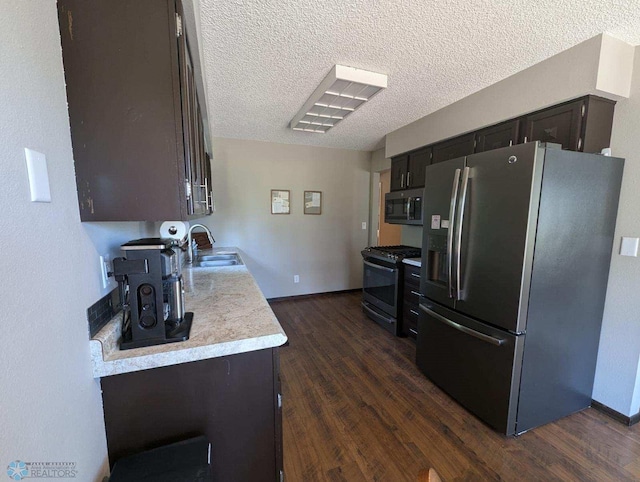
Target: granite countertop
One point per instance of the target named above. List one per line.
(413, 261)
(231, 316)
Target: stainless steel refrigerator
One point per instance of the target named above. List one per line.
(517, 244)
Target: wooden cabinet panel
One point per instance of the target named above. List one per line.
(453, 148)
(598, 121)
(495, 137)
(232, 400)
(411, 299)
(410, 320)
(135, 124)
(416, 167)
(580, 125)
(561, 125)
(399, 172)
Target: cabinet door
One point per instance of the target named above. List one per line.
(597, 124)
(399, 173)
(416, 165)
(495, 137)
(123, 91)
(195, 168)
(232, 400)
(411, 299)
(561, 125)
(453, 148)
(200, 186)
(187, 95)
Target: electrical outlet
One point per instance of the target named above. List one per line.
(364, 225)
(105, 267)
(296, 278)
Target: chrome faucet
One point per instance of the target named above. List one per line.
(190, 240)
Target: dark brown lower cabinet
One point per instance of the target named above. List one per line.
(235, 401)
(411, 299)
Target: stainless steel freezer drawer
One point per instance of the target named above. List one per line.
(474, 363)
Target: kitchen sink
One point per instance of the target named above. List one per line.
(213, 260)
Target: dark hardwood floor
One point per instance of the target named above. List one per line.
(356, 408)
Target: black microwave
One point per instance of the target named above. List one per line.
(404, 207)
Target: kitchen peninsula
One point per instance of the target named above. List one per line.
(223, 382)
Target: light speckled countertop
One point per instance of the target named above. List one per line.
(413, 261)
(231, 316)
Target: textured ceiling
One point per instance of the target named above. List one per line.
(264, 58)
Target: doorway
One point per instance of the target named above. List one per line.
(388, 234)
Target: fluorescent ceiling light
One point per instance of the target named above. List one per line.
(342, 91)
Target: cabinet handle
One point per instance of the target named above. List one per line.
(190, 208)
(413, 331)
(525, 139)
(415, 275)
(402, 180)
(416, 293)
(414, 312)
(579, 143)
(408, 179)
(206, 195)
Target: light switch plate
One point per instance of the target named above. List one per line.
(629, 247)
(38, 176)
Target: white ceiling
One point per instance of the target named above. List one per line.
(264, 58)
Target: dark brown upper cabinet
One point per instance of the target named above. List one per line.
(452, 148)
(136, 123)
(417, 165)
(398, 179)
(581, 125)
(407, 170)
(495, 137)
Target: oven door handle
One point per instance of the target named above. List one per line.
(378, 266)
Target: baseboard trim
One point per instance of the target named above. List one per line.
(614, 414)
(311, 295)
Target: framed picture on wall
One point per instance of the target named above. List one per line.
(313, 202)
(280, 201)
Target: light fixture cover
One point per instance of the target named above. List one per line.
(342, 91)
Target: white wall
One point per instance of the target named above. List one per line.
(617, 376)
(51, 407)
(323, 250)
(604, 66)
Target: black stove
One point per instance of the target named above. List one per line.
(382, 286)
(391, 253)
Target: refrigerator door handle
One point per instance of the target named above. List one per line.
(463, 329)
(459, 221)
(452, 215)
